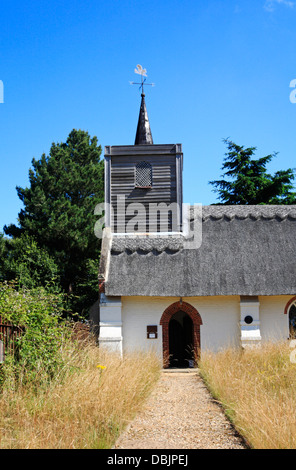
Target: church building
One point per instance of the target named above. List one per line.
(181, 279)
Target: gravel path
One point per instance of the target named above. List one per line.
(180, 414)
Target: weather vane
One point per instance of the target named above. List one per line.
(143, 72)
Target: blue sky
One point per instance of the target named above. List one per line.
(222, 68)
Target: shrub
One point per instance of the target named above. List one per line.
(39, 315)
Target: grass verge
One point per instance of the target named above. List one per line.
(257, 389)
(84, 406)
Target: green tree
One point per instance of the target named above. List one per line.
(58, 213)
(28, 264)
(250, 183)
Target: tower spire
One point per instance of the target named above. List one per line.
(143, 134)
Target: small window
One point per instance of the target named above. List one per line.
(292, 320)
(143, 175)
(248, 319)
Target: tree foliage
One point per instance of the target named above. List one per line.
(31, 266)
(246, 180)
(65, 186)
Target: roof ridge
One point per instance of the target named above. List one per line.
(242, 212)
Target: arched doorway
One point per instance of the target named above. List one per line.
(292, 320)
(290, 310)
(180, 334)
(181, 352)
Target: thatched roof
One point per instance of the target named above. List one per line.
(245, 250)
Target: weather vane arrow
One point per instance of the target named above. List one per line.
(143, 72)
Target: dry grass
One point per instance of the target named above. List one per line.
(85, 407)
(257, 389)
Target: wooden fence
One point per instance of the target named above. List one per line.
(81, 331)
(8, 336)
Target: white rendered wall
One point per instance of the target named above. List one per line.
(274, 323)
(137, 313)
(220, 316)
(221, 321)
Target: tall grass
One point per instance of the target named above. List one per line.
(84, 406)
(257, 388)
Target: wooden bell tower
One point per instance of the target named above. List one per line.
(143, 181)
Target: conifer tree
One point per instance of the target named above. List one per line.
(248, 180)
(65, 186)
